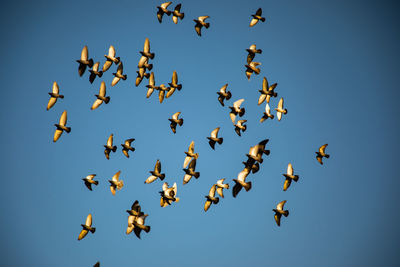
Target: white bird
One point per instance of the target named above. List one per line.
(267, 91)
(279, 212)
(86, 227)
(190, 154)
(200, 23)
(214, 138)
(221, 186)
(119, 74)
(190, 172)
(211, 198)
(116, 183)
(101, 97)
(236, 110)
(61, 126)
(110, 58)
(280, 109)
(168, 195)
(257, 17)
(55, 93)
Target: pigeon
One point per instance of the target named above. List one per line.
(116, 183)
(267, 91)
(257, 17)
(168, 195)
(87, 227)
(101, 97)
(255, 154)
(141, 73)
(241, 182)
(289, 177)
(236, 110)
(177, 14)
(252, 68)
(321, 153)
(163, 10)
(200, 23)
(135, 210)
(214, 138)
(126, 147)
(110, 59)
(190, 172)
(211, 198)
(267, 114)
(89, 181)
(95, 72)
(240, 126)
(250, 163)
(155, 174)
(173, 84)
(118, 75)
(161, 92)
(54, 95)
(84, 61)
(223, 94)
(190, 154)
(138, 225)
(109, 146)
(146, 50)
(221, 186)
(261, 147)
(144, 63)
(252, 50)
(151, 86)
(61, 126)
(174, 121)
(280, 109)
(279, 212)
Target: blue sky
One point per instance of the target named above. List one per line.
(336, 65)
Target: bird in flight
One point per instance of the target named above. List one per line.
(89, 181)
(211, 199)
(200, 23)
(54, 95)
(84, 61)
(223, 94)
(279, 212)
(289, 176)
(257, 17)
(116, 183)
(101, 97)
(175, 121)
(87, 227)
(61, 126)
(321, 154)
(109, 146)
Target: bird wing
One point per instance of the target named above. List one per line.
(82, 234)
(253, 22)
(174, 78)
(220, 182)
(102, 91)
(111, 51)
(277, 219)
(135, 206)
(55, 88)
(175, 116)
(197, 27)
(233, 117)
(151, 179)
(252, 47)
(203, 18)
(220, 191)
(175, 19)
(96, 104)
(125, 152)
(279, 115)
(259, 12)
(236, 189)
(175, 188)
(151, 79)
(112, 188)
(238, 103)
(161, 95)
(265, 85)
(191, 147)
(142, 61)
(63, 118)
(243, 174)
(250, 57)
(178, 7)
(170, 91)
(166, 4)
(157, 168)
(320, 160)
(129, 141)
(110, 140)
(120, 69)
(211, 193)
(192, 164)
(88, 185)
(84, 53)
(165, 186)
(267, 109)
(207, 205)
(107, 65)
(186, 162)
(107, 153)
(90, 176)
(96, 66)
(186, 178)
(51, 103)
(214, 132)
(322, 149)
(89, 220)
(280, 104)
(289, 169)
(114, 81)
(223, 89)
(146, 47)
(280, 205)
(115, 178)
(286, 184)
(149, 92)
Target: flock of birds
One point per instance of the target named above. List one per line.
(168, 195)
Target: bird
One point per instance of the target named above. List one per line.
(190, 154)
(280, 109)
(223, 94)
(175, 121)
(163, 10)
(289, 177)
(110, 59)
(126, 147)
(144, 63)
(55, 93)
(151, 86)
(214, 138)
(84, 61)
(89, 181)
(95, 72)
(241, 182)
(279, 212)
(252, 68)
(116, 183)
(190, 172)
(135, 210)
(118, 75)
(267, 114)
(97, 264)
(146, 50)
(173, 84)
(236, 110)
(211, 198)
(177, 14)
(200, 23)
(168, 195)
(221, 186)
(252, 51)
(261, 147)
(321, 154)
(109, 146)
(155, 174)
(141, 73)
(61, 126)
(101, 97)
(252, 164)
(138, 225)
(161, 92)
(267, 91)
(257, 17)
(240, 126)
(86, 227)
(254, 154)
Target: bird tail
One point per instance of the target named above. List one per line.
(272, 116)
(207, 25)
(179, 87)
(286, 213)
(244, 128)
(100, 73)
(67, 129)
(146, 75)
(296, 178)
(241, 112)
(247, 186)
(216, 200)
(180, 122)
(150, 67)
(61, 96)
(162, 176)
(118, 60)
(259, 51)
(151, 55)
(114, 148)
(96, 182)
(220, 140)
(327, 156)
(182, 15)
(146, 228)
(266, 152)
(228, 96)
(124, 77)
(196, 175)
(262, 19)
(93, 230)
(285, 111)
(107, 100)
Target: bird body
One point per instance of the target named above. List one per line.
(221, 186)
(173, 85)
(279, 212)
(110, 58)
(168, 195)
(87, 227)
(95, 72)
(146, 50)
(89, 181)
(190, 172)
(252, 68)
(84, 61)
(54, 95)
(267, 92)
(155, 174)
(126, 147)
(240, 126)
(267, 114)
(61, 126)
(211, 199)
(116, 183)
(175, 121)
(214, 138)
(280, 110)
(321, 154)
(119, 74)
(177, 14)
(252, 51)
(257, 17)
(200, 22)
(289, 177)
(223, 94)
(109, 146)
(240, 182)
(236, 110)
(101, 97)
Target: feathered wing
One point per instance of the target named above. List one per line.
(214, 133)
(107, 65)
(175, 116)
(186, 162)
(237, 103)
(96, 104)
(63, 118)
(114, 81)
(51, 102)
(289, 169)
(89, 220)
(102, 90)
(281, 205)
(207, 205)
(322, 149)
(110, 140)
(84, 53)
(111, 51)
(115, 178)
(286, 184)
(82, 234)
(220, 191)
(146, 47)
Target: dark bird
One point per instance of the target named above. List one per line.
(163, 10)
(101, 97)
(321, 154)
(155, 174)
(211, 198)
(214, 138)
(257, 17)
(177, 14)
(175, 121)
(126, 147)
(137, 224)
(200, 23)
(61, 126)
(89, 181)
(223, 94)
(110, 58)
(54, 95)
(84, 61)
(95, 72)
(252, 50)
(116, 183)
(87, 227)
(109, 146)
(135, 210)
(289, 176)
(279, 212)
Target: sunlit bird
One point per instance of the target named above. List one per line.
(280, 109)
(175, 121)
(168, 195)
(190, 154)
(190, 172)
(214, 138)
(89, 181)
(221, 186)
(163, 10)
(161, 92)
(177, 14)
(240, 126)
(151, 86)
(141, 73)
(138, 225)
(101, 97)
(61, 126)
(55, 93)
(236, 110)
(223, 94)
(252, 51)
(155, 174)
(211, 199)
(267, 113)
(240, 182)
(126, 147)
(95, 72)
(252, 68)
(146, 49)
(119, 74)
(110, 58)
(84, 61)
(321, 154)
(144, 63)
(109, 146)
(87, 227)
(289, 176)
(255, 154)
(116, 183)
(252, 164)
(173, 85)
(267, 91)
(200, 23)
(136, 209)
(257, 17)
(279, 212)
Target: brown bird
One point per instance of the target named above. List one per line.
(252, 68)
(177, 14)
(221, 186)
(116, 183)
(168, 195)
(89, 181)
(61, 126)
(138, 225)
(252, 164)
(241, 182)
(109, 146)
(200, 23)
(163, 10)
(175, 121)
(87, 227)
(321, 154)
(110, 59)
(214, 138)
(279, 212)
(151, 86)
(190, 154)
(173, 84)
(95, 72)
(223, 94)
(252, 50)
(141, 73)
(236, 110)
(240, 126)
(144, 63)
(255, 154)
(161, 92)
(155, 174)
(54, 95)
(280, 110)
(267, 91)
(256, 17)
(211, 198)
(289, 177)
(84, 61)
(118, 75)
(190, 172)
(146, 49)
(101, 97)
(267, 114)
(135, 210)
(126, 147)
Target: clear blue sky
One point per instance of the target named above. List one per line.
(337, 67)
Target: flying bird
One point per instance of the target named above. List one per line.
(280, 109)
(55, 93)
(190, 154)
(257, 17)
(321, 154)
(109, 146)
(101, 97)
(146, 50)
(223, 94)
(252, 51)
(211, 198)
(190, 172)
(168, 195)
(161, 92)
(267, 91)
(61, 126)
(221, 186)
(241, 182)
(163, 10)
(138, 225)
(261, 147)
(289, 177)
(118, 75)
(279, 212)
(267, 114)
(89, 181)
(214, 138)
(200, 23)
(240, 126)
(136, 209)
(84, 61)
(116, 183)
(110, 58)
(252, 164)
(173, 84)
(141, 73)
(255, 154)
(236, 110)
(175, 121)
(155, 174)
(177, 14)
(144, 63)
(87, 227)
(95, 72)
(97, 264)
(151, 86)
(126, 147)
(252, 68)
